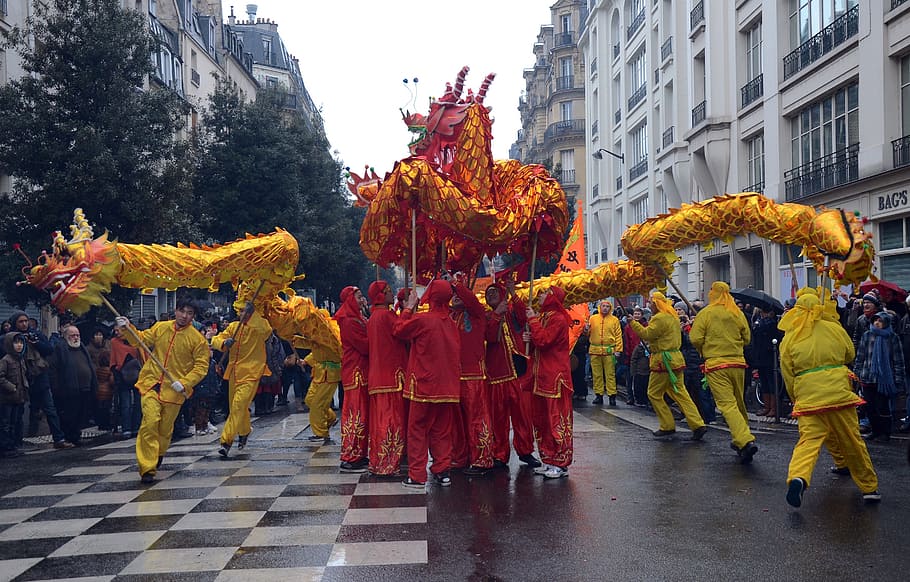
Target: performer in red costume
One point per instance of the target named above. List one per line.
(552, 401)
(431, 384)
(354, 370)
(476, 424)
(504, 344)
(388, 360)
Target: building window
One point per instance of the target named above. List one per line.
(905, 95)
(809, 17)
(638, 75)
(756, 152)
(565, 67)
(826, 126)
(566, 22)
(153, 7)
(753, 51)
(639, 140)
(267, 50)
(639, 209)
(271, 82)
(565, 111)
(894, 243)
(212, 36)
(567, 161)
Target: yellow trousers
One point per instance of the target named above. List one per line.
(155, 432)
(319, 399)
(240, 396)
(604, 371)
(658, 386)
(839, 428)
(726, 385)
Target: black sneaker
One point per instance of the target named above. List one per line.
(795, 492)
(613, 401)
(497, 464)
(148, 478)
(529, 460)
(328, 441)
(835, 470)
(442, 479)
(315, 438)
(241, 441)
(355, 467)
(747, 452)
(224, 450)
(413, 484)
(699, 433)
(873, 497)
(661, 433)
(599, 399)
(473, 471)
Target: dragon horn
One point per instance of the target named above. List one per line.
(459, 81)
(482, 92)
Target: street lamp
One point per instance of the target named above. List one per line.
(599, 155)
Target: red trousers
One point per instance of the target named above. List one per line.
(509, 403)
(354, 417)
(553, 426)
(387, 432)
(476, 424)
(429, 428)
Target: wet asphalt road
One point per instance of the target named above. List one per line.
(638, 509)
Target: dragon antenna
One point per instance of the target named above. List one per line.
(459, 80)
(26, 269)
(482, 92)
(412, 93)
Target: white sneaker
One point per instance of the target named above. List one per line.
(211, 428)
(542, 469)
(556, 473)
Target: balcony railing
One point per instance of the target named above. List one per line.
(637, 22)
(563, 83)
(564, 128)
(616, 51)
(593, 65)
(697, 16)
(567, 177)
(194, 77)
(617, 117)
(835, 169)
(638, 96)
(666, 49)
(594, 127)
(619, 182)
(753, 90)
(901, 148)
(699, 113)
(639, 169)
(595, 191)
(757, 187)
(822, 43)
(896, 3)
(668, 136)
(564, 39)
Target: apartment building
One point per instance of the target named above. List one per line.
(806, 101)
(553, 105)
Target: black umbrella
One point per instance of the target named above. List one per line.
(758, 298)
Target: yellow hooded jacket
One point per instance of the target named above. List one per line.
(246, 359)
(720, 335)
(663, 335)
(605, 334)
(184, 353)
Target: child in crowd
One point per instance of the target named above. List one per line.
(13, 394)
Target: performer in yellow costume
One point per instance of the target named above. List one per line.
(667, 365)
(326, 376)
(814, 355)
(184, 353)
(245, 341)
(719, 333)
(605, 335)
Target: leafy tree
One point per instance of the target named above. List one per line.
(78, 130)
(259, 167)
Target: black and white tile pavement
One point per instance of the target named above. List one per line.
(278, 508)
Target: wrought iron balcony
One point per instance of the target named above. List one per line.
(637, 23)
(757, 187)
(617, 117)
(565, 128)
(595, 191)
(564, 39)
(618, 182)
(594, 127)
(835, 169)
(638, 96)
(668, 136)
(697, 16)
(896, 3)
(563, 83)
(833, 35)
(753, 89)
(901, 148)
(567, 177)
(639, 169)
(666, 49)
(616, 51)
(699, 113)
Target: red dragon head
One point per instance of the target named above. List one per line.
(78, 270)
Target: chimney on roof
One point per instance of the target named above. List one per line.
(251, 12)
(231, 18)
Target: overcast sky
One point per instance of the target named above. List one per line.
(354, 55)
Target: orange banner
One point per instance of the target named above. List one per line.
(573, 259)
